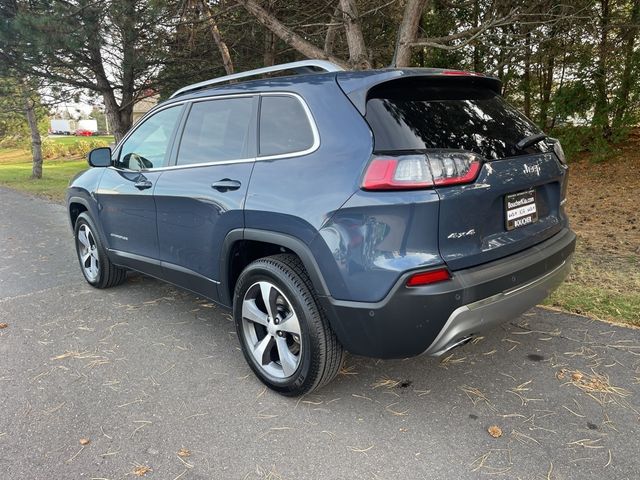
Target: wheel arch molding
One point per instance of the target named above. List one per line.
(92, 210)
(276, 239)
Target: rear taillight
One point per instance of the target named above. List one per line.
(426, 278)
(410, 172)
(557, 149)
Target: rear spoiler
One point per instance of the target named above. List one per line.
(356, 85)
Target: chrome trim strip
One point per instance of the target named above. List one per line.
(307, 110)
(303, 65)
(314, 129)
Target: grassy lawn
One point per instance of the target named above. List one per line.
(602, 286)
(55, 176)
(15, 172)
(15, 168)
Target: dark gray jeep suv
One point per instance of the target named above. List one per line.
(387, 213)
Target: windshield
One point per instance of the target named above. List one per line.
(412, 115)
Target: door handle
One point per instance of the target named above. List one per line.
(226, 184)
(143, 184)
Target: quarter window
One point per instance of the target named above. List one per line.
(148, 146)
(216, 130)
(284, 126)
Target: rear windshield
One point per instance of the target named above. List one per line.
(411, 115)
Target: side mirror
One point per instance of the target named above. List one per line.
(100, 157)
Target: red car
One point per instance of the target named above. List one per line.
(83, 133)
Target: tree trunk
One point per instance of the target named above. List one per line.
(287, 35)
(547, 84)
(36, 141)
(477, 66)
(120, 116)
(120, 119)
(408, 31)
(526, 77)
(601, 110)
(627, 80)
(358, 57)
(217, 37)
(269, 57)
(332, 31)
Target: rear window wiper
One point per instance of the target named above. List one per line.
(530, 140)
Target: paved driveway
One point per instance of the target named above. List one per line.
(145, 370)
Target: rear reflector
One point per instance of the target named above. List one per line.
(411, 172)
(425, 278)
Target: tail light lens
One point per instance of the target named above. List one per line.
(410, 172)
(426, 278)
(557, 149)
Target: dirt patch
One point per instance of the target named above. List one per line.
(603, 201)
(603, 210)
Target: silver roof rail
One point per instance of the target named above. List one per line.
(303, 66)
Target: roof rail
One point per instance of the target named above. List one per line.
(303, 66)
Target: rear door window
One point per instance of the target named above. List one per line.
(434, 114)
(217, 130)
(284, 126)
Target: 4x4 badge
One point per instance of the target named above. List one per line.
(468, 233)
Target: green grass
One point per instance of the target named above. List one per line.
(597, 302)
(55, 176)
(601, 286)
(70, 139)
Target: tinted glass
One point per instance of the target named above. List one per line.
(148, 145)
(430, 114)
(284, 126)
(216, 130)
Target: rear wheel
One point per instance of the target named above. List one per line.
(285, 337)
(96, 267)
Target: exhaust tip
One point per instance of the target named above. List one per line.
(456, 343)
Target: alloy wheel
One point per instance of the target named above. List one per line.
(88, 253)
(271, 330)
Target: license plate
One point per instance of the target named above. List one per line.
(520, 209)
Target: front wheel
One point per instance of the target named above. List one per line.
(96, 267)
(285, 336)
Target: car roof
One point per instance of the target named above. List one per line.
(355, 84)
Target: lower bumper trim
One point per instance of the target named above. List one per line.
(473, 318)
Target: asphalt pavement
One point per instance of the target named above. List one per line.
(146, 371)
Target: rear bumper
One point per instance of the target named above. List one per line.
(434, 318)
(469, 320)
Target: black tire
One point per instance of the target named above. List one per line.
(107, 275)
(320, 354)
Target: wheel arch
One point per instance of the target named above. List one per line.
(272, 242)
(77, 205)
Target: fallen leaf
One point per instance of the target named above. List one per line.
(183, 452)
(84, 441)
(141, 470)
(576, 376)
(495, 431)
(4, 325)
